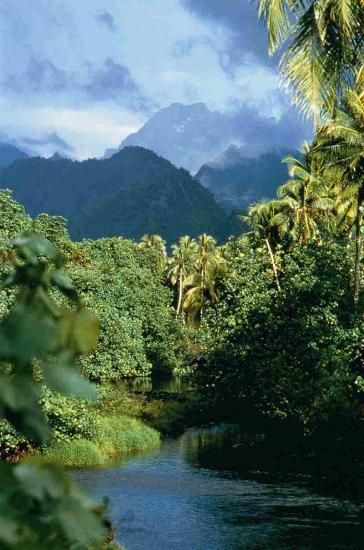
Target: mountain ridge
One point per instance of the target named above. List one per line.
(237, 181)
(10, 153)
(133, 192)
(186, 135)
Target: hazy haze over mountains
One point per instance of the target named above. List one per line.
(9, 153)
(237, 181)
(191, 135)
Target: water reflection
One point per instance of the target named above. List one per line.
(171, 500)
(174, 384)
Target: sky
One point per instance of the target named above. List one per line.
(78, 76)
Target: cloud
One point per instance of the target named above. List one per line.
(85, 69)
(246, 34)
(183, 48)
(51, 139)
(258, 134)
(41, 75)
(111, 81)
(107, 20)
(114, 81)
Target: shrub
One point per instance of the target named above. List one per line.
(69, 417)
(12, 443)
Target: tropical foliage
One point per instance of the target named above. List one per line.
(40, 506)
(324, 48)
(273, 318)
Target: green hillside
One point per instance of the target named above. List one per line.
(132, 193)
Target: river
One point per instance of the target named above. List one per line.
(172, 499)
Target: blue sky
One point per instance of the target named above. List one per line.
(78, 76)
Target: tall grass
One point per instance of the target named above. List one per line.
(114, 437)
(118, 435)
(78, 453)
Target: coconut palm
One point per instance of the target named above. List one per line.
(305, 205)
(324, 42)
(201, 285)
(154, 242)
(181, 265)
(157, 245)
(342, 140)
(259, 217)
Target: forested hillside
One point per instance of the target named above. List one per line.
(236, 181)
(132, 193)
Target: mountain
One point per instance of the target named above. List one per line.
(10, 153)
(133, 192)
(56, 156)
(190, 136)
(237, 181)
(186, 135)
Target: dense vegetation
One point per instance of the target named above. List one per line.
(40, 341)
(274, 318)
(132, 193)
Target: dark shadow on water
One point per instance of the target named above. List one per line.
(185, 497)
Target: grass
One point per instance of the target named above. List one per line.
(120, 435)
(114, 437)
(78, 453)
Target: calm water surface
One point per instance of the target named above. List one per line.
(171, 499)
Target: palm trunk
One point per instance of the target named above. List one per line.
(358, 246)
(203, 278)
(180, 294)
(271, 255)
(306, 230)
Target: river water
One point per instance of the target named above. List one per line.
(172, 499)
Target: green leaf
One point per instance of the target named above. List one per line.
(8, 530)
(20, 399)
(79, 330)
(40, 481)
(62, 280)
(30, 246)
(80, 525)
(65, 379)
(26, 334)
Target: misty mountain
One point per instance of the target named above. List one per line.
(132, 193)
(10, 153)
(186, 135)
(191, 135)
(237, 181)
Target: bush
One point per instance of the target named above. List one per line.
(69, 418)
(12, 444)
(115, 400)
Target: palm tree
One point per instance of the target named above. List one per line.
(154, 242)
(324, 42)
(201, 285)
(342, 140)
(260, 216)
(304, 201)
(181, 265)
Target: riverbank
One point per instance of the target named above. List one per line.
(126, 423)
(114, 437)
